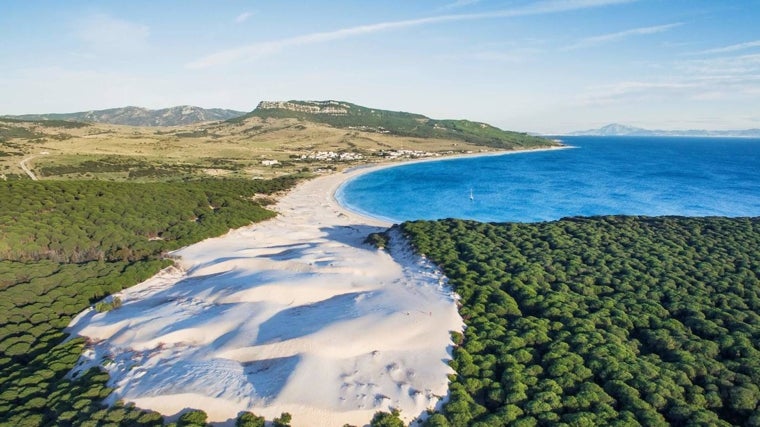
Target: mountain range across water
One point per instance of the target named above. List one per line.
(616, 129)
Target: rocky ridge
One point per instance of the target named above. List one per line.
(345, 115)
(335, 108)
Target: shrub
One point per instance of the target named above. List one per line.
(248, 419)
(282, 421)
(385, 419)
(193, 418)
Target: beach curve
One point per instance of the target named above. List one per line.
(366, 169)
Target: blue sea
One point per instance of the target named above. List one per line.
(599, 176)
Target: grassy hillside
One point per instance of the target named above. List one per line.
(239, 148)
(602, 321)
(12, 129)
(9, 123)
(351, 116)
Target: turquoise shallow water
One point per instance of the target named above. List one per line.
(601, 176)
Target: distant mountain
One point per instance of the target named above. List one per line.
(136, 116)
(616, 129)
(345, 115)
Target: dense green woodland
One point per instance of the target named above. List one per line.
(65, 245)
(602, 321)
(78, 221)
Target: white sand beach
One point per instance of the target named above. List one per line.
(294, 314)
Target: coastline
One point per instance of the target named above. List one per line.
(357, 171)
(293, 314)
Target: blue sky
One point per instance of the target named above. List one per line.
(543, 66)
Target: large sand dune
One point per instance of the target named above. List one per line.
(294, 314)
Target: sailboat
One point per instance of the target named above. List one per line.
(472, 198)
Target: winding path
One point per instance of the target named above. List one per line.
(26, 169)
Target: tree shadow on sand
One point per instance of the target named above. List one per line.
(352, 235)
(308, 319)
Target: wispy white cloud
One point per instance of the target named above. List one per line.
(613, 37)
(496, 56)
(731, 48)
(734, 66)
(258, 50)
(459, 3)
(513, 56)
(243, 17)
(724, 78)
(105, 33)
(627, 91)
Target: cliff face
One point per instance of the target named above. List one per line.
(334, 108)
(350, 116)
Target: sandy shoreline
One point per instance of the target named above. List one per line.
(294, 314)
(354, 172)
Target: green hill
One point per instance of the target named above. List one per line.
(351, 116)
